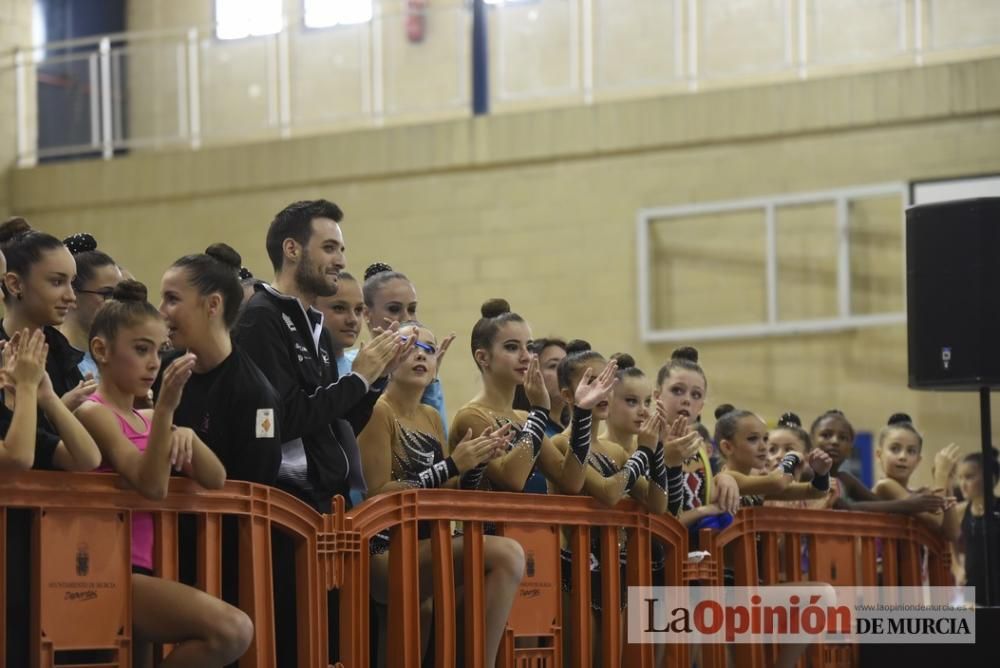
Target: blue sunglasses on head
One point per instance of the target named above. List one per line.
(426, 347)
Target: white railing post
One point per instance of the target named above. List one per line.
(692, 45)
(107, 135)
(771, 259)
(21, 108)
(803, 39)
(377, 72)
(587, 49)
(95, 100)
(284, 83)
(918, 32)
(194, 89)
(843, 257)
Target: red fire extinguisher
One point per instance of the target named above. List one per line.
(416, 20)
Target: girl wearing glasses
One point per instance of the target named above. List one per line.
(38, 294)
(402, 447)
(96, 278)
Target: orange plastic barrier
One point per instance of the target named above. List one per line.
(769, 545)
(81, 554)
(81, 595)
(539, 613)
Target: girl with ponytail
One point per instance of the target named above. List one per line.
(228, 401)
(143, 447)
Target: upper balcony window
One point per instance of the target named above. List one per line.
(236, 19)
(328, 13)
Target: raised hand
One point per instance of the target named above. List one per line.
(649, 432)
(28, 362)
(534, 385)
(819, 461)
(591, 391)
(382, 350)
(677, 450)
(944, 463)
(174, 378)
(443, 348)
(79, 394)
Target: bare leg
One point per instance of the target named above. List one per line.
(208, 632)
(503, 559)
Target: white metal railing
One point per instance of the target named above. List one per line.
(147, 89)
(771, 323)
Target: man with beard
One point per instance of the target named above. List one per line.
(283, 333)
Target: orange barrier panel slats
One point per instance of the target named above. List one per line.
(403, 649)
(210, 553)
(444, 595)
(637, 574)
(256, 594)
(474, 596)
(611, 634)
(579, 599)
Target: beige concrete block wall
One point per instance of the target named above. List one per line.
(15, 32)
(540, 208)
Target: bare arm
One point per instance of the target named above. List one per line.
(77, 450)
(769, 485)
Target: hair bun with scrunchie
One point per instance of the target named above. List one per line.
(80, 243)
(789, 419)
(376, 268)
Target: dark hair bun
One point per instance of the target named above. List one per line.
(577, 346)
(685, 353)
(899, 418)
(130, 291)
(723, 409)
(80, 243)
(624, 361)
(245, 274)
(789, 420)
(13, 227)
(491, 308)
(225, 254)
(376, 268)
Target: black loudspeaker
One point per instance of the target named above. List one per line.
(953, 294)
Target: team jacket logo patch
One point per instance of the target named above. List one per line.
(265, 423)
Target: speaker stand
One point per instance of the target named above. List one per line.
(989, 527)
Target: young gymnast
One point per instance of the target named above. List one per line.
(742, 439)
(899, 453)
(681, 386)
(38, 294)
(143, 447)
(343, 314)
(500, 342)
(833, 433)
(402, 447)
(970, 535)
(631, 403)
